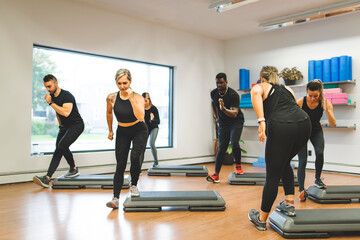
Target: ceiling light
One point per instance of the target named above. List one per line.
(336, 9)
(225, 5)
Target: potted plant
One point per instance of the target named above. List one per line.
(229, 158)
(291, 75)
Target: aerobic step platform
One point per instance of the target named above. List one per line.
(153, 201)
(316, 223)
(335, 194)
(167, 170)
(252, 178)
(88, 181)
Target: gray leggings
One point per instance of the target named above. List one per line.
(153, 135)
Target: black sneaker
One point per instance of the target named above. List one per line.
(319, 183)
(286, 209)
(72, 172)
(254, 218)
(42, 181)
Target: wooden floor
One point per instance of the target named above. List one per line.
(29, 212)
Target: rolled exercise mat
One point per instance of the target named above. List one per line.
(319, 69)
(335, 69)
(243, 79)
(344, 68)
(350, 68)
(311, 70)
(327, 70)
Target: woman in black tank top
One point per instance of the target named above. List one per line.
(314, 104)
(287, 129)
(128, 108)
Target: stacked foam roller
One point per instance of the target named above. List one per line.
(244, 78)
(260, 162)
(245, 101)
(336, 96)
(331, 70)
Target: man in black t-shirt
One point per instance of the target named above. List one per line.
(71, 126)
(226, 103)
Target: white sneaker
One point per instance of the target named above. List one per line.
(134, 191)
(114, 203)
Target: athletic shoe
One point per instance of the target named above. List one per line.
(156, 164)
(134, 191)
(254, 218)
(286, 209)
(319, 183)
(213, 178)
(42, 181)
(303, 195)
(239, 169)
(72, 172)
(114, 203)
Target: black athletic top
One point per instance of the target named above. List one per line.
(123, 110)
(231, 99)
(66, 97)
(314, 114)
(151, 124)
(280, 106)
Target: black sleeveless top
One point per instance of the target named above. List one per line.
(123, 110)
(314, 114)
(280, 106)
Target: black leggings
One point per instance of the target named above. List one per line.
(284, 140)
(136, 134)
(66, 136)
(317, 140)
(228, 134)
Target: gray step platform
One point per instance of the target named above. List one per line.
(168, 170)
(335, 194)
(252, 178)
(88, 181)
(316, 223)
(153, 201)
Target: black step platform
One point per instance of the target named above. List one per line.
(168, 170)
(153, 201)
(252, 178)
(88, 181)
(316, 223)
(335, 194)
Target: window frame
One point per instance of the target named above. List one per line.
(170, 100)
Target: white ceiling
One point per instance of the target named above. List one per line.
(195, 17)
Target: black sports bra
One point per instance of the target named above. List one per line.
(123, 110)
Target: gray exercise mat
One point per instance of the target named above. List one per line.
(252, 178)
(194, 200)
(168, 170)
(335, 194)
(88, 181)
(316, 222)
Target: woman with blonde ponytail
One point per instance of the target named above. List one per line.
(287, 129)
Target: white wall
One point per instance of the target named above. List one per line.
(294, 46)
(75, 26)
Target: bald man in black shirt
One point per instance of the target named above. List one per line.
(226, 101)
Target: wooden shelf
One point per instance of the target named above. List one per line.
(324, 126)
(341, 82)
(347, 104)
(244, 90)
(340, 126)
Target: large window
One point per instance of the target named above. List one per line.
(90, 78)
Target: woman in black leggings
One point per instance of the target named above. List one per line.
(314, 104)
(287, 129)
(128, 108)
